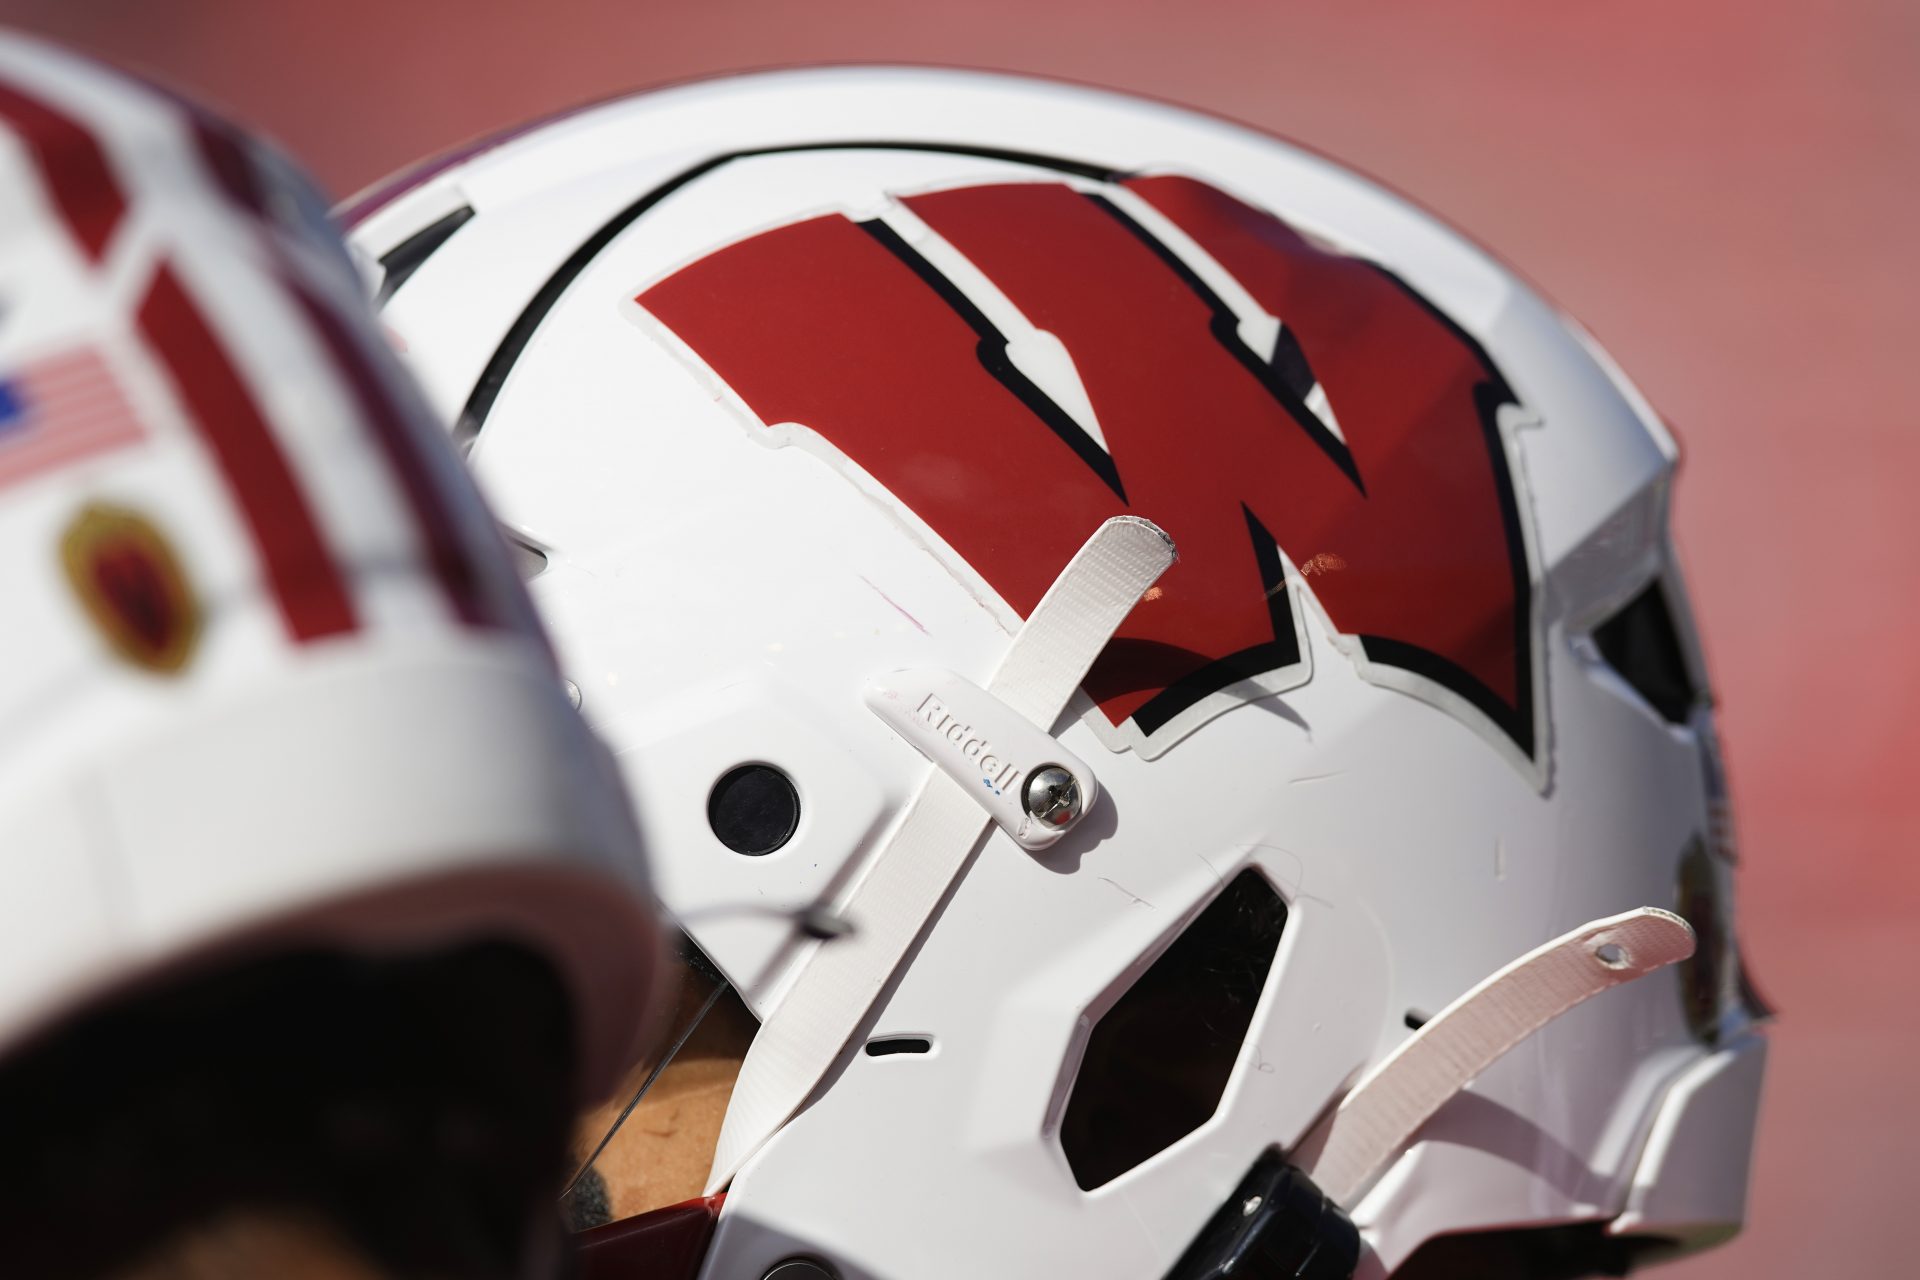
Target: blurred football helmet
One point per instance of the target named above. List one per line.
(831, 408)
(272, 684)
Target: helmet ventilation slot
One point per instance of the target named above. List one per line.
(1158, 1061)
(1641, 644)
(887, 1046)
(754, 809)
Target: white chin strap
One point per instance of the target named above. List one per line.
(1376, 1119)
(830, 998)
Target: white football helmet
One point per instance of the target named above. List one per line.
(840, 414)
(271, 682)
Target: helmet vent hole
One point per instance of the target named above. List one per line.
(528, 560)
(1641, 643)
(800, 1269)
(886, 1046)
(1704, 979)
(1158, 1061)
(407, 257)
(754, 809)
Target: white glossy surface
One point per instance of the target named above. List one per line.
(694, 551)
(404, 764)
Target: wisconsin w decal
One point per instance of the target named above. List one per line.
(1356, 438)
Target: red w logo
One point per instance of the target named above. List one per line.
(1404, 515)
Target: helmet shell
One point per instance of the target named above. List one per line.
(614, 310)
(271, 678)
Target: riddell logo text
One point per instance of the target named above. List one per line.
(997, 773)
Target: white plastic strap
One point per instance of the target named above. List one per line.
(985, 746)
(1044, 664)
(1436, 1062)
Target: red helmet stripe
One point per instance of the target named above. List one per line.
(226, 157)
(479, 598)
(313, 598)
(74, 166)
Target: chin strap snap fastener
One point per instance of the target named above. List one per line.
(1031, 786)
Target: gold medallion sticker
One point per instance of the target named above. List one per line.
(132, 587)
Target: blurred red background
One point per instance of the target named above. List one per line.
(1725, 192)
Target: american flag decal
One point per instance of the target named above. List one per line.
(58, 410)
